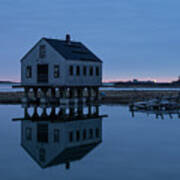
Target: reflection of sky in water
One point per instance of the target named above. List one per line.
(8, 88)
(142, 147)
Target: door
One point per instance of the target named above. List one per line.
(42, 73)
(42, 133)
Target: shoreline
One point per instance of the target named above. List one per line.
(107, 96)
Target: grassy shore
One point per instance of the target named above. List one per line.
(108, 97)
(126, 97)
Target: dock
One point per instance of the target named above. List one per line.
(157, 106)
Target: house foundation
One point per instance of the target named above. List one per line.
(61, 95)
(59, 112)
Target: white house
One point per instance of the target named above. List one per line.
(62, 64)
(54, 62)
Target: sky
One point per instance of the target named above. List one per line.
(134, 38)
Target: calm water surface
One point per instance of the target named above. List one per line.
(8, 88)
(142, 147)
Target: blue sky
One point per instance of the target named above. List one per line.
(134, 38)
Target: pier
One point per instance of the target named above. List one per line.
(159, 107)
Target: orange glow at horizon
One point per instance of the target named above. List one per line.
(10, 79)
(140, 79)
(167, 79)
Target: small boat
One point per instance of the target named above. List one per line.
(154, 104)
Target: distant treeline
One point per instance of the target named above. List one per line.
(7, 82)
(146, 84)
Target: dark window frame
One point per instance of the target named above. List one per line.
(56, 135)
(84, 134)
(84, 70)
(97, 70)
(42, 51)
(90, 133)
(56, 71)
(77, 135)
(28, 133)
(71, 136)
(71, 70)
(78, 70)
(97, 132)
(28, 72)
(91, 71)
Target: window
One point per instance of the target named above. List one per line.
(90, 133)
(84, 70)
(56, 71)
(28, 134)
(77, 70)
(56, 135)
(97, 132)
(91, 71)
(42, 155)
(84, 134)
(77, 135)
(71, 70)
(28, 72)
(97, 71)
(42, 51)
(71, 136)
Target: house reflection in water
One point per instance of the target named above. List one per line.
(60, 137)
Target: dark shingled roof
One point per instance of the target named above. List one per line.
(72, 154)
(68, 155)
(73, 50)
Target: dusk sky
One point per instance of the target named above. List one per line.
(134, 38)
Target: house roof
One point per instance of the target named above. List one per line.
(68, 155)
(72, 154)
(72, 50)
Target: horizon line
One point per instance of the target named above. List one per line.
(111, 80)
